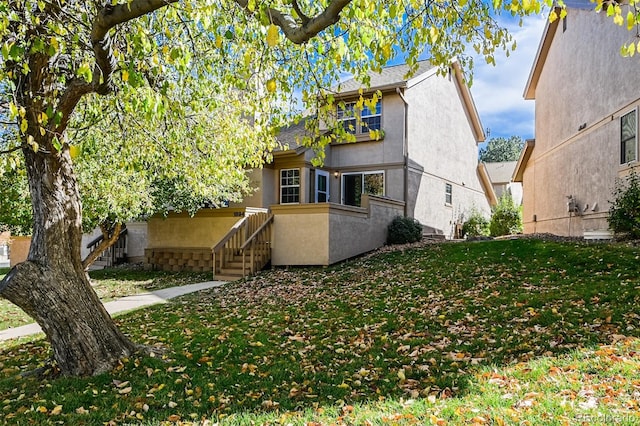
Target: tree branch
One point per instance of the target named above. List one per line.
(9, 151)
(107, 241)
(300, 34)
(107, 18)
(304, 18)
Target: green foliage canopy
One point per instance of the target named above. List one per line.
(506, 217)
(502, 149)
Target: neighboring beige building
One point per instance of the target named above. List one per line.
(499, 176)
(586, 107)
(424, 166)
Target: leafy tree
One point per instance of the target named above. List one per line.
(477, 225)
(501, 149)
(506, 217)
(624, 212)
(143, 85)
(15, 208)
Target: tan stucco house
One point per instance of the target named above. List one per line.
(499, 175)
(424, 166)
(586, 107)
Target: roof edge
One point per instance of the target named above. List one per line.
(485, 181)
(518, 172)
(541, 57)
(470, 105)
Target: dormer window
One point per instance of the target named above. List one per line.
(356, 121)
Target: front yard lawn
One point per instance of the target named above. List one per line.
(503, 332)
(110, 284)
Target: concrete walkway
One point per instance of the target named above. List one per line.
(123, 304)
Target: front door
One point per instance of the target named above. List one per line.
(322, 186)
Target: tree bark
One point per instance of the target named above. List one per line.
(51, 286)
(110, 236)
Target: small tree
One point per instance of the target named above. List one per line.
(624, 213)
(477, 225)
(506, 217)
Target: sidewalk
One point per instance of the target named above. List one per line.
(127, 303)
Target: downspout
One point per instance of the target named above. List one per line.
(405, 149)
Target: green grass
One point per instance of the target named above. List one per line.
(503, 332)
(110, 284)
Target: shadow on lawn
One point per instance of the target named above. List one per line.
(402, 324)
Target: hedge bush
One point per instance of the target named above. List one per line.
(624, 213)
(477, 225)
(506, 217)
(404, 230)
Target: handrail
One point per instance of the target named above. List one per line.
(100, 237)
(235, 243)
(255, 234)
(234, 229)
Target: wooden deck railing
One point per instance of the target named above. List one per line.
(237, 240)
(257, 248)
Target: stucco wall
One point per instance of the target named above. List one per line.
(327, 233)
(18, 249)
(576, 88)
(203, 230)
(442, 149)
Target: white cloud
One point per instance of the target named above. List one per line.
(497, 90)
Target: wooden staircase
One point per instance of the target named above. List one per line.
(114, 255)
(246, 248)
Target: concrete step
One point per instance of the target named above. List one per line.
(221, 277)
(434, 237)
(231, 271)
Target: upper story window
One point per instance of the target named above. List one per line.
(628, 137)
(448, 193)
(289, 186)
(360, 121)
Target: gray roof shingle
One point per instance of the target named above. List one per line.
(390, 76)
(500, 172)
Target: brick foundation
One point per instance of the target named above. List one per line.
(179, 259)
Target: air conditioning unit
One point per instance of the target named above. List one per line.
(572, 205)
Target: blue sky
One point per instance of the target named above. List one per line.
(497, 90)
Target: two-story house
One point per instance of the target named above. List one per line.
(586, 107)
(424, 166)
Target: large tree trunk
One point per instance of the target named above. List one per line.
(51, 285)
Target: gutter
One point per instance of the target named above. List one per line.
(405, 149)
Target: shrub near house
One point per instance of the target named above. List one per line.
(404, 230)
(506, 218)
(624, 214)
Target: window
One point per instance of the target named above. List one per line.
(356, 184)
(448, 193)
(371, 120)
(289, 186)
(358, 122)
(628, 142)
(347, 115)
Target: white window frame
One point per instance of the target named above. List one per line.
(371, 172)
(356, 117)
(448, 194)
(325, 174)
(292, 185)
(348, 114)
(623, 157)
(372, 114)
